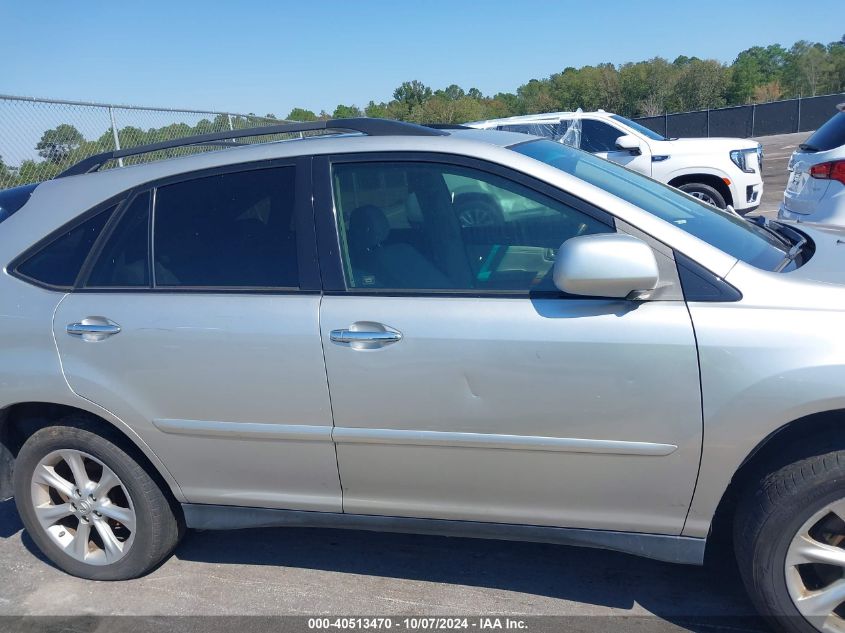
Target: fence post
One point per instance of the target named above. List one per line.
(799, 114)
(230, 122)
(708, 122)
(753, 117)
(114, 134)
(666, 124)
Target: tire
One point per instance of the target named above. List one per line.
(477, 209)
(769, 516)
(156, 523)
(705, 193)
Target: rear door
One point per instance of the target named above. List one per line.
(465, 386)
(195, 320)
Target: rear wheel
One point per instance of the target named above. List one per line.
(89, 506)
(790, 544)
(705, 193)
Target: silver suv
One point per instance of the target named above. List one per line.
(421, 330)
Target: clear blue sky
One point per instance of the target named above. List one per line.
(270, 56)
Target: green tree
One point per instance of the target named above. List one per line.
(806, 68)
(508, 102)
(57, 144)
(701, 85)
(648, 88)
(537, 96)
(452, 93)
(836, 76)
(412, 93)
(376, 110)
(346, 112)
(301, 114)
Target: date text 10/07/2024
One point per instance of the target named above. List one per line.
(491, 623)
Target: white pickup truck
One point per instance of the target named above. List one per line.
(719, 171)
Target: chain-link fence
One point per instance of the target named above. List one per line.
(760, 119)
(39, 138)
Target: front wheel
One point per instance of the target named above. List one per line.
(89, 506)
(790, 544)
(705, 193)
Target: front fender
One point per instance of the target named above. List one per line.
(761, 369)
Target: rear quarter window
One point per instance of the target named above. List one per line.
(57, 263)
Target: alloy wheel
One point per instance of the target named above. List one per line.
(815, 568)
(83, 507)
(703, 197)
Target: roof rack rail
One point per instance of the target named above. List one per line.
(368, 126)
(447, 126)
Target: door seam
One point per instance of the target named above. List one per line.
(329, 390)
(701, 401)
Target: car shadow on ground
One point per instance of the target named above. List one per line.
(697, 598)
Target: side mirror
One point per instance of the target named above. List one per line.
(629, 143)
(606, 265)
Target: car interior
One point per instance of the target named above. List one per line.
(416, 226)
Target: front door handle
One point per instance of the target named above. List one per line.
(366, 335)
(93, 328)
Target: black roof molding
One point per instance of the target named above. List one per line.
(364, 125)
(447, 126)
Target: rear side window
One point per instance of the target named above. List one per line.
(124, 261)
(58, 263)
(234, 230)
(828, 136)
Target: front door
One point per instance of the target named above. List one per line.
(465, 386)
(207, 344)
(599, 138)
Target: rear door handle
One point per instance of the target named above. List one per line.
(93, 328)
(366, 335)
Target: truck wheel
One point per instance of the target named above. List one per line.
(789, 538)
(705, 193)
(89, 506)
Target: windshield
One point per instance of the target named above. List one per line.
(828, 136)
(739, 238)
(642, 129)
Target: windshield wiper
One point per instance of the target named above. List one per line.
(794, 251)
(765, 224)
(808, 148)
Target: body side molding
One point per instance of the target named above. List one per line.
(399, 437)
(673, 549)
(245, 430)
(343, 435)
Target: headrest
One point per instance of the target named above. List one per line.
(368, 226)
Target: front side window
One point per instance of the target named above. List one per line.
(415, 225)
(233, 230)
(724, 230)
(598, 137)
(642, 129)
(58, 263)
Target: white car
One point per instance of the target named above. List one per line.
(719, 171)
(815, 191)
